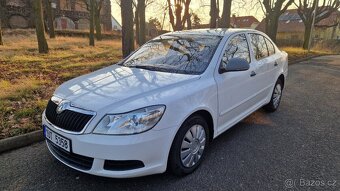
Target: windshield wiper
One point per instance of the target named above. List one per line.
(152, 68)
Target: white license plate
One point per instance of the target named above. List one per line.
(57, 139)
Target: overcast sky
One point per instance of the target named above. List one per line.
(200, 7)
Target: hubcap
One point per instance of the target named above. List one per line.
(277, 95)
(193, 145)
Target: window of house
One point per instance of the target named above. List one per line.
(237, 48)
(65, 4)
(259, 46)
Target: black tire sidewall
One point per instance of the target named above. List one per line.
(270, 107)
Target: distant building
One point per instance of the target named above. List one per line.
(68, 14)
(115, 25)
(291, 28)
(248, 22)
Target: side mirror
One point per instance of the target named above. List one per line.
(234, 65)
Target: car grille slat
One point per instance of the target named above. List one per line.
(78, 161)
(68, 120)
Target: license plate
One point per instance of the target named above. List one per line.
(57, 139)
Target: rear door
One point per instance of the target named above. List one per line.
(273, 62)
(261, 62)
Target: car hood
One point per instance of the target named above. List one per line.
(117, 84)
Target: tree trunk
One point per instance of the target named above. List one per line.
(91, 35)
(225, 20)
(171, 16)
(137, 25)
(98, 26)
(213, 14)
(307, 35)
(272, 25)
(178, 14)
(142, 29)
(1, 42)
(39, 26)
(50, 18)
(127, 27)
(189, 22)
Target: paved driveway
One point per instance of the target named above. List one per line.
(300, 143)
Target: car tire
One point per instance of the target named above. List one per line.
(178, 162)
(275, 98)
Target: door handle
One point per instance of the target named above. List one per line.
(252, 74)
(276, 64)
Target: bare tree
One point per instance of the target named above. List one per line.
(225, 19)
(127, 27)
(50, 18)
(98, 4)
(1, 42)
(153, 21)
(306, 10)
(196, 21)
(273, 9)
(180, 21)
(91, 35)
(213, 14)
(95, 10)
(39, 26)
(141, 17)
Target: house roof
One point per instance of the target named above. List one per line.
(290, 21)
(243, 22)
(115, 20)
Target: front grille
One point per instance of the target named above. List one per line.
(68, 120)
(120, 165)
(75, 160)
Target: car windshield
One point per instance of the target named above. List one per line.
(175, 54)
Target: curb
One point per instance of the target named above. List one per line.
(303, 59)
(21, 141)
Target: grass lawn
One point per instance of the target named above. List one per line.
(295, 53)
(28, 79)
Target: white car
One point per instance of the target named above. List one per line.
(160, 107)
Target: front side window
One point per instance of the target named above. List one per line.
(259, 46)
(236, 48)
(189, 54)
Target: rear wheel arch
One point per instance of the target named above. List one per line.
(282, 79)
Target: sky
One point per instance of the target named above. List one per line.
(200, 7)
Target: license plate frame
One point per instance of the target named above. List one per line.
(57, 139)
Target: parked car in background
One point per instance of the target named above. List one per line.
(160, 107)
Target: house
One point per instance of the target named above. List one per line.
(291, 28)
(115, 24)
(248, 22)
(68, 14)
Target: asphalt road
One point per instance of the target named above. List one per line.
(299, 144)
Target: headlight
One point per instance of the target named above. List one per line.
(133, 122)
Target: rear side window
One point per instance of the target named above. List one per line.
(237, 48)
(271, 49)
(259, 46)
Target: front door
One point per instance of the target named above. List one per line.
(235, 89)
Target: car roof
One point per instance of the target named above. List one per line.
(213, 32)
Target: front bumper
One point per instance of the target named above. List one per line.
(151, 148)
